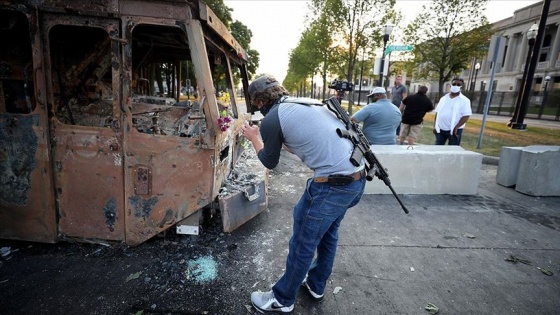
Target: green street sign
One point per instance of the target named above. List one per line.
(391, 48)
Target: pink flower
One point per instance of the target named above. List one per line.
(224, 121)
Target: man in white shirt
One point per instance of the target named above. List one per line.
(452, 112)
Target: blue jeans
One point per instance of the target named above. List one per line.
(399, 127)
(443, 135)
(317, 217)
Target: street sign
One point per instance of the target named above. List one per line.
(499, 43)
(391, 48)
(377, 66)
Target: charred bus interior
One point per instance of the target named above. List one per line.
(16, 64)
(161, 64)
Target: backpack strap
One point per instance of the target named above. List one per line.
(303, 101)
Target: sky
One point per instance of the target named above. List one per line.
(277, 25)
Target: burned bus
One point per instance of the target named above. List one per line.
(97, 142)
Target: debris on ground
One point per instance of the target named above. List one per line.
(243, 176)
(203, 269)
(515, 260)
(545, 271)
(134, 276)
(6, 252)
(337, 289)
(431, 308)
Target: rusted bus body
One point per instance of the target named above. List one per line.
(88, 151)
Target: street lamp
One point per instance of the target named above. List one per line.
(361, 77)
(525, 86)
(545, 95)
(476, 68)
(387, 29)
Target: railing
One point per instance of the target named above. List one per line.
(541, 105)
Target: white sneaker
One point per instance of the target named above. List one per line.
(314, 296)
(265, 302)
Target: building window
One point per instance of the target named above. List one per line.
(547, 40)
(545, 48)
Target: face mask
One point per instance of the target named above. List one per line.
(455, 89)
(264, 110)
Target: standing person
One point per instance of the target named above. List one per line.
(398, 93)
(323, 204)
(380, 118)
(452, 112)
(414, 108)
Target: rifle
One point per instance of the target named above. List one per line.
(362, 148)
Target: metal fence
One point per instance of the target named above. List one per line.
(542, 105)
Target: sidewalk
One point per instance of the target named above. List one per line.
(451, 251)
(552, 124)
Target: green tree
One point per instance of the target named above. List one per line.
(244, 35)
(446, 35)
(355, 28)
(300, 67)
(240, 32)
(312, 56)
(354, 25)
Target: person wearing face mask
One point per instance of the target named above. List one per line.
(309, 132)
(452, 112)
(380, 118)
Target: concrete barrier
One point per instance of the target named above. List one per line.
(533, 170)
(427, 169)
(508, 166)
(539, 171)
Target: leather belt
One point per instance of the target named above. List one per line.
(355, 176)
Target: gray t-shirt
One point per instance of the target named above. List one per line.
(397, 94)
(309, 132)
(380, 120)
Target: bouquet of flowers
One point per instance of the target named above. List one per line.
(224, 121)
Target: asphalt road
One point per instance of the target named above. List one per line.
(487, 253)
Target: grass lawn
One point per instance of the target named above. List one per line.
(496, 136)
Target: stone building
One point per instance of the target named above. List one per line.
(544, 100)
(509, 74)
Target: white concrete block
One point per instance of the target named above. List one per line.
(539, 171)
(427, 169)
(508, 166)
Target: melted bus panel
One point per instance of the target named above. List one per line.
(26, 199)
(118, 119)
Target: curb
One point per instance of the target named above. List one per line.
(490, 160)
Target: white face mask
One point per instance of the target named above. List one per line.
(455, 89)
